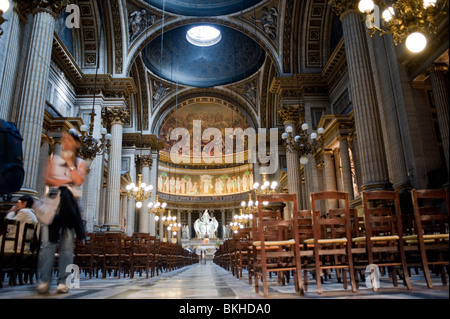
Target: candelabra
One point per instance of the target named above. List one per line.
(91, 146)
(303, 143)
(174, 227)
(267, 187)
(404, 19)
(140, 192)
(157, 208)
(247, 210)
(4, 6)
(235, 226)
(168, 220)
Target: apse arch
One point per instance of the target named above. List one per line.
(187, 97)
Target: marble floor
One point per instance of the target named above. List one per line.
(209, 281)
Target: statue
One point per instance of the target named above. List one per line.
(186, 232)
(206, 226)
(138, 22)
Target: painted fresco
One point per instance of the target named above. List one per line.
(191, 182)
(211, 116)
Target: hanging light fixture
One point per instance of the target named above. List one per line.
(174, 228)
(303, 143)
(409, 20)
(91, 146)
(139, 192)
(267, 187)
(157, 208)
(247, 210)
(235, 226)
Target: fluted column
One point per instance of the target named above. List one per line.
(439, 83)
(32, 98)
(290, 117)
(12, 59)
(116, 117)
(145, 162)
(346, 167)
(367, 122)
(189, 218)
(329, 177)
(154, 182)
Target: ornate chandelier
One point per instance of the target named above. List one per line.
(303, 143)
(174, 228)
(247, 210)
(140, 192)
(404, 19)
(157, 208)
(267, 187)
(91, 146)
(235, 226)
(168, 220)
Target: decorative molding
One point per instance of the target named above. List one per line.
(54, 7)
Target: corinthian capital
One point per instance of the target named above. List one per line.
(26, 7)
(289, 113)
(144, 160)
(341, 6)
(114, 115)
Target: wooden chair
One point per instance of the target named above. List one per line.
(26, 260)
(97, 252)
(384, 233)
(126, 244)
(243, 244)
(332, 238)
(8, 250)
(153, 257)
(274, 251)
(431, 235)
(83, 254)
(303, 230)
(140, 252)
(112, 254)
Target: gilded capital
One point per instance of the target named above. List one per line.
(114, 115)
(144, 160)
(342, 6)
(289, 113)
(26, 7)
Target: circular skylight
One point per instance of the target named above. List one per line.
(203, 36)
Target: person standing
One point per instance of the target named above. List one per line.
(67, 173)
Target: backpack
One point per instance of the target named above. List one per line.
(11, 158)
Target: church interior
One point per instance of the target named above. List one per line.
(198, 116)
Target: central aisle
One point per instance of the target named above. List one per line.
(209, 281)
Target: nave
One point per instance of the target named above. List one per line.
(210, 281)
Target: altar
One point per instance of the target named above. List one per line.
(206, 238)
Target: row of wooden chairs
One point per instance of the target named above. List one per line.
(116, 254)
(18, 251)
(341, 241)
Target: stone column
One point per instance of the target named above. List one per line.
(189, 222)
(367, 121)
(329, 177)
(116, 117)
(11, 43)
(346, 167)
(32, 98)
(145, 163)
(439, 84)
(223, 218)
(290, 117)
(181, 229)
(153, 181)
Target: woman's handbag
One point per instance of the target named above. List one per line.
(47, 207)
